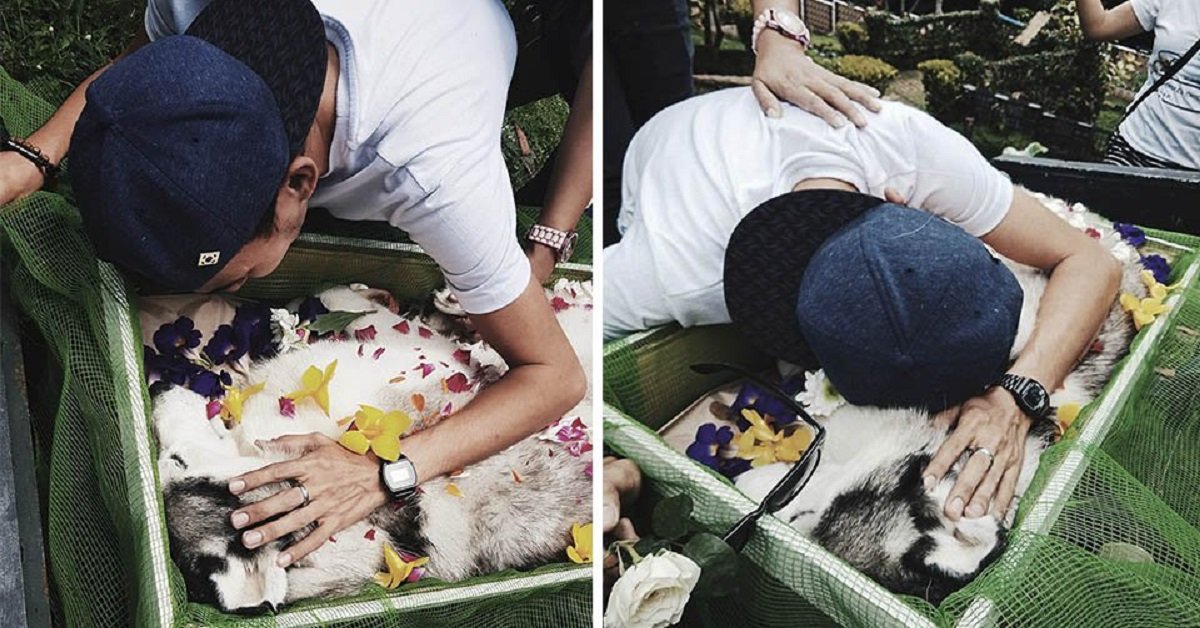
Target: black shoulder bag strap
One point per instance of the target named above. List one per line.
(1162, 80)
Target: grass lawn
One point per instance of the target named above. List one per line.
(52, 45)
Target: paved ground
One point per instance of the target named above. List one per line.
(907, 88)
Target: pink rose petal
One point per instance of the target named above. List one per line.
(463, 356)
(365, 334)
(559, 304)
(425, 332)
(401, 327)
(458, 383)
(213, 408)
(426, 368)
(378, 352)
(287, 407)
(360, 347)
(370, 535)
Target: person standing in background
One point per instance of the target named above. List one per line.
(1161, 129)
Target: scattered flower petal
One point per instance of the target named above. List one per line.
(453, 489)
(580, 552)
(400, 568)
(401, 327)
(365, 334)
(287, 407)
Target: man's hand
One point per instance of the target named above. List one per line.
(994, 422)
(622, 483)
(18, 177)
(783, 71)
(343, 488)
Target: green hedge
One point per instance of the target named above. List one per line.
(905, 42)
(854, 38)
(1068, 83)
(1036, 78)
(869, 70)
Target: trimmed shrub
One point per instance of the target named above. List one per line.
(973, 67)
(943, 88)
(870, 70)
(853, 37)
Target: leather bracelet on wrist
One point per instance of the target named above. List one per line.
(32, 153)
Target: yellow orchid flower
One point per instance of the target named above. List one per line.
(400, 569)
(1144, 311)
(581, 552)
(315, 384)
(378, 431)
(1067, 413)
(762, 445)
(235, 398)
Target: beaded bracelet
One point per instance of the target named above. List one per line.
(32, 153)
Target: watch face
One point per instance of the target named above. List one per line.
(568, 247)
(399, 475)
(1035, 397)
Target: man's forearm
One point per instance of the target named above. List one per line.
(54, 137)
(524, 401)
(1077, 298)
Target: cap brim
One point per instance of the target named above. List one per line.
(766, 258)
(283, 42)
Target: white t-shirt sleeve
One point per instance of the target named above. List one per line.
(171, 17)
(1146, 12)
(953, 180)
(470, 229)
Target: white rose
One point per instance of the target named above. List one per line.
(652, 593)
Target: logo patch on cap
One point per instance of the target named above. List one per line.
(209, 258)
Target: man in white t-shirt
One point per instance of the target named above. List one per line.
(703, 169)
(1163, 130)
(197, 153)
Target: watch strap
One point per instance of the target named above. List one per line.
(783, 22)
(1018, 385)
(557, 240)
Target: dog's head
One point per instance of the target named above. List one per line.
(216, 568)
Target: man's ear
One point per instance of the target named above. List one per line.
(291, 203)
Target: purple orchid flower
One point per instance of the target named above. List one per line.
(1132, 234)
(766, 403)
(175, 338)
(209, 384)
(1158, 266)
(709, 441)
(252, 329)
(224, 347)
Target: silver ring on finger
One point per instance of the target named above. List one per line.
(303, 493)
(984, 450)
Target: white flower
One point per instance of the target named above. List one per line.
(87, 37)
(285, 327)
(819, 396)
(652, 593)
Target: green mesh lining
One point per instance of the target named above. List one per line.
(107, 543)
(1125, 476)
